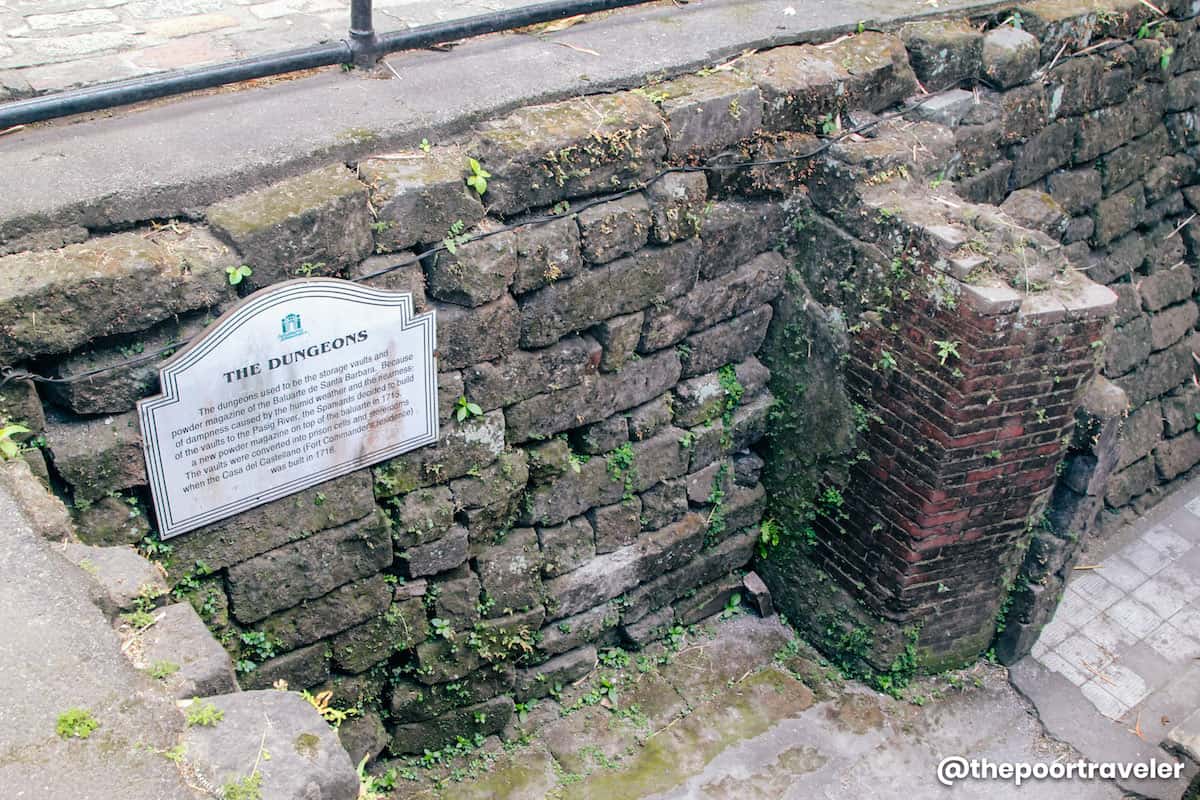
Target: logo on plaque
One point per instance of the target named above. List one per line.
(251, 413)
(291, 327)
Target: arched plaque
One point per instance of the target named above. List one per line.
(299, 383)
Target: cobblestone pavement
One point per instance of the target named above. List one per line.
(1117, 671)
(50, 45)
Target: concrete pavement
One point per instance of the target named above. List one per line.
(58, 652)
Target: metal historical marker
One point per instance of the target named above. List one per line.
(299, 383)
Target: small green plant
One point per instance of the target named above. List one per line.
(733, 606)
(442, 628)
(237, 274)
(306, 269)
(621, 468)
(769, 535)
(946, 349)
(477, 180)
(1197, 416)
(247, 788)
(1164, 60)
(321, 702)
(8, 448)
(161, 670)
(1015, 20)
(203, 713)
(256, 647)
(992, 455)
(523, 709)
(425, 146)
(142, 617)
(75, 723)
(455, 237)
(887, 361)
(464, 409)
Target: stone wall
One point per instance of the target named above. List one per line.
(901, 291)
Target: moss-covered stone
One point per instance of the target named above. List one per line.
(55, 301)
(542, 154)
(418, 196)
(313, 224)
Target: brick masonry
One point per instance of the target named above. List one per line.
(915, 316)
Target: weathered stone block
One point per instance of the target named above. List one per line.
(649, 418)
(614, 229)
(483, 719)
(308, 568)
(401, 272)
(726, 343)
(470, 335)
(539, 681)
(754, 283)
(676, 206)
(1139, 434)
(1171, 324)
(801, 84)
(619, 337)
(422, 515)
(735, 231)
(709, 113)
(471, 444)
(510, 572)
(498, 484)
(527, 373)
(341, 609)
(1180, 409)
(1129, 483)
(1074, 87)
(596, 398)
(541, 154)
(616, 525)
(1023, 112)
(414, 702)
(320, 219)
(1009, 56)
(566, 546)
(709, 600)
(19, 403)
(1126, 164)
(607, 576)
(1037, 210)
(622, 287)
(124, 577)
(363, 736)
(571, 494)
(573, 632)
(476, 273)
(663, 504)
(1127, 347)
(945, 108)
(179, 637)
(118, 388)
(732, 553)
(401, 627)
(546, 253)
(943, 53)
(418, 196)
(1118, 214)
(1044, 152)
(306, 758)
(1165, 287)
(455, 595)
(326, 505)
(1176, 456)
(97, 456)
(703, 398)
(437, 556)
(57, 300)
(1076, 190)
(650, 628)
(111, 521)
(600, 437)
(302, 669)
(1160, 372)
(705, 483)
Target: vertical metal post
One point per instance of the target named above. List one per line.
(362, 34)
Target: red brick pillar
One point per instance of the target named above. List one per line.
(972, 395)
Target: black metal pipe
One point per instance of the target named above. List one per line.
(137, 90)
(363, 49)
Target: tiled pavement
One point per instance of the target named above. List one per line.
(50, 45)
(1118, 668)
